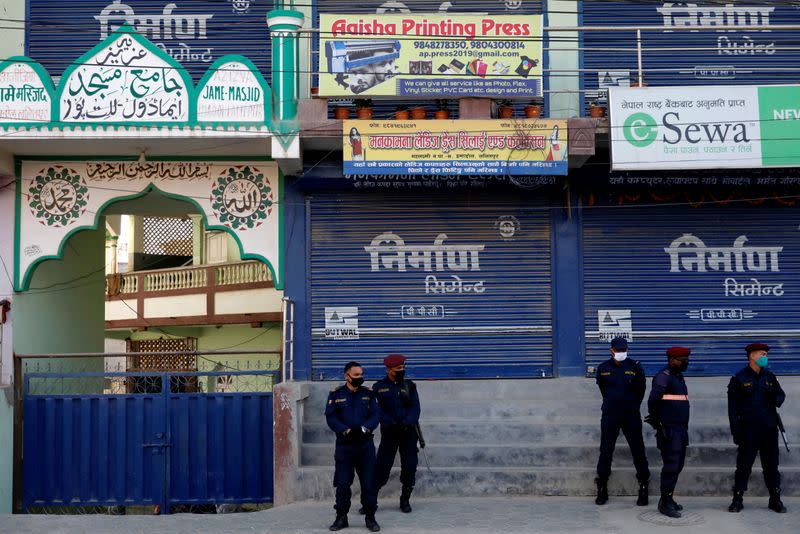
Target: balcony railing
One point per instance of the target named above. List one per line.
(228, 293)
(245, 273)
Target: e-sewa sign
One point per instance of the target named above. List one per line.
(705, 127)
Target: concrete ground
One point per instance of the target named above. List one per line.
(520, 515)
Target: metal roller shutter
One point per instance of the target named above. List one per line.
(680, 57)
(194, 32)
(643, 277)
(495, 322)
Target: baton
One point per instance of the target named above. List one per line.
(782, 430)
(422, 447)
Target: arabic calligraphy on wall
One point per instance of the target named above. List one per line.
(125, 81)
(60, 198)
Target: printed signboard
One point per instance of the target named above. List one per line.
(194, 32)
(501, 147)
(437, 55)
(705, 127)
(688, 49)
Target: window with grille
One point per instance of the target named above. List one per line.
(164, 363)
(170, 236)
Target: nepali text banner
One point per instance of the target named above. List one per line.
(705, 127)
(431, 55)
(464, 147)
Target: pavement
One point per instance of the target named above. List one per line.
(517, 515)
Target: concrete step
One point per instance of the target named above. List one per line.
(571, 481)
(441, 432)
(541, 389)
(541, 411)
(545, 455)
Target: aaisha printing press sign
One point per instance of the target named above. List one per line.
(464, 147)
(705, 127)
(436, 55)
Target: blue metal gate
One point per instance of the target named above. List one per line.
(159, 445)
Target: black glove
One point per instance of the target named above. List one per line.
(356, 432)
(652, 421)
(736, 433)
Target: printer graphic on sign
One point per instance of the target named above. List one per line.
(360, 65)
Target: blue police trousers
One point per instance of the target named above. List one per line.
(355, 457)
(753, 441)
(631, 426)
(392, 440)
(673, 445)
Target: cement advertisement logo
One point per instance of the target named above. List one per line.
(640, 130)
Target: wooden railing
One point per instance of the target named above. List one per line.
(188, 279)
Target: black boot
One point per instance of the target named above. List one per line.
(677, 506)
(340, 523)
(405, 494)
(602, 491)
(775, 501)
(372, 525)
(644, 493)
(667, 506)
(737, 503)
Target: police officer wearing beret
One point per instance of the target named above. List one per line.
(753, 396)
(353, 412)
(400, 411)
(622, 383)
(668, 405)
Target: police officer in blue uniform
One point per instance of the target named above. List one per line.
(754, 394)
(400, 412)
(622, 383)
(353, 413)
(668, 407)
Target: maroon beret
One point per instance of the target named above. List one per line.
(756, 346)
(393, 360)
(678, 352)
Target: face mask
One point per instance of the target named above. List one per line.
(620, 356)
(683, 366)
(762, 361)
(356, 382)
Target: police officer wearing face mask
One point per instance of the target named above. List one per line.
(400, 412)
(668, 405)
(622, 383)
(753, 396)
(353, 412)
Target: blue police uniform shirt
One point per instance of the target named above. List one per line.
(669, 381)
(753, 399)
(395, 409)
(622, 386)
(346, 409)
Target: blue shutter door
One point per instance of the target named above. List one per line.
(194, 32)
(481, 308)
(682, 57)
(712, 278)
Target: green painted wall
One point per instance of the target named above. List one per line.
(564, 60)
(64, 309)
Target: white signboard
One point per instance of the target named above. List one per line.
(685, 127)
(127, 80)
(23, 96)
(341, 322)
(62, 197)
(615, 323)
(232, 93)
